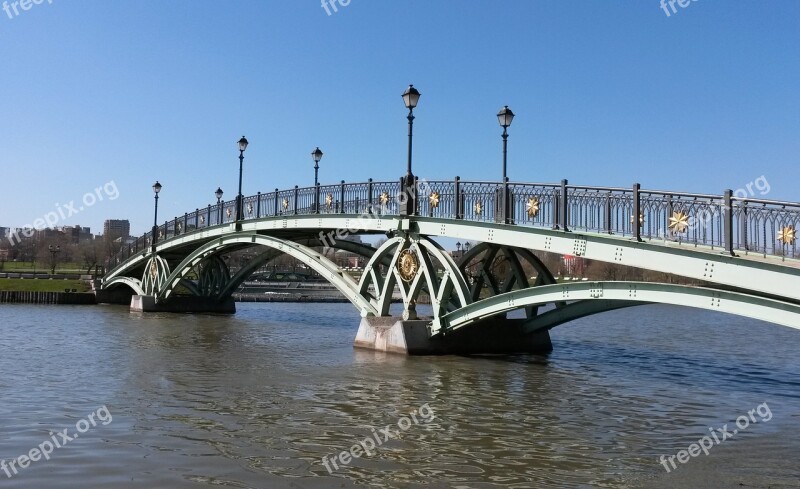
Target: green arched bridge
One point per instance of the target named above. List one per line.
(742, 250)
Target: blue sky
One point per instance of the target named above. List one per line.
(605, 92)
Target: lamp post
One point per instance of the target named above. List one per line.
(218, 194)
(458, 248)
(467, 246)
(242, 146)
(410, 99)
(54, 250)
(504, 117)
(156, 190)
(317, 156)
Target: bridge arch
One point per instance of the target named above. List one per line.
(118, 282)
(313, 259)
(612, 295)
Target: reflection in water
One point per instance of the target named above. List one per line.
(257, 399)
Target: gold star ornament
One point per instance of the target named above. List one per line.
(285, 203)
(433, 198)
(329, 200)
(532, 207)
(384, 198)
(478, 207)
(679, 222)
(787, 235)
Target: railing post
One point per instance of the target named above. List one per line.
(506, 203)
(556, 209)
(403, 208)
(459, 209)
(369, 196)
(416, 195)
(295, 199)
(208, 216)
(743, 227)
(277, 213)
(185, 221)
(637, 211)
(316, 198)
(728, 216)
(258, 205)
(564, 209)
(341, 193)
(608, 214)
(669, 214)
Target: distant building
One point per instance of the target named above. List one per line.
(116, 228)
(77, 234)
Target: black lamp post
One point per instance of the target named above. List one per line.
(410, 99)
(242, 146)
(218, 194)
(467, 246)
(54, 250)
(317, 156)
(156, 190)
(504, 117)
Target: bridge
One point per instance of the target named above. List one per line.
(741, 251)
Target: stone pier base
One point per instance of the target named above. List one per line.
(501, 335)
(146, 303)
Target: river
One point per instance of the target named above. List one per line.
(256, 400)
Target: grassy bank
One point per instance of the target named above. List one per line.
(41, 267)
(39, 285)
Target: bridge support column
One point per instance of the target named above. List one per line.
(493, 336)
(185, 304)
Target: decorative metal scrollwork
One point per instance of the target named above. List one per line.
(408, 265)
(285, 203)
(329, 200)
(250, 208)
(229, 212)
(478, 207)
(384, 198)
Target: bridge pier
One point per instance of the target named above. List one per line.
(185, 304)
(492, 336)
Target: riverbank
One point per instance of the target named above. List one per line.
(39, 297)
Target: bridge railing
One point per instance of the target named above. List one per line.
(724, 222)
(758, 224)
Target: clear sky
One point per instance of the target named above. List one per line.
(606, 93)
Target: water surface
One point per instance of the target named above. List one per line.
(257, 399)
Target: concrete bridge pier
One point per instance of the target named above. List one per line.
(184, 304)
(411, 337)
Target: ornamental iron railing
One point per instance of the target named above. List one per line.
(726, 222)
